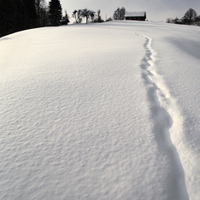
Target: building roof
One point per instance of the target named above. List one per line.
(135, 14)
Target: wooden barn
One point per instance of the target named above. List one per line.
(141, 16)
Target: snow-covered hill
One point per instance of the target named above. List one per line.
(100, 111)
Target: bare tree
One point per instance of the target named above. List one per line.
(92, 14)
(87, 13)
(74, 15)
(99, 19)
(79, 16)
(190, 16)
(98, 15)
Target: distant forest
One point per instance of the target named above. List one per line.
(190, 18)
(17, 15)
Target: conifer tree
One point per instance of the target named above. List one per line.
(55, 12)
(30, 13)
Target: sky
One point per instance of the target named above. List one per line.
(157, 10)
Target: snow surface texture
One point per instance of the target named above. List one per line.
(100, 111)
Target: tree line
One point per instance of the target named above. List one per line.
(87, 14)
(119, 14)
(190, 18)
(17, 15)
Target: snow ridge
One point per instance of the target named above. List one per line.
(167, 121)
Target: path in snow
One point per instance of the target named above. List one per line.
(159, 97)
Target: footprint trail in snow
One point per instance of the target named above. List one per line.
(167, 120)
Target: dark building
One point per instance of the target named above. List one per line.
(140, 16)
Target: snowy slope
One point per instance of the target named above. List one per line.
(100, 111)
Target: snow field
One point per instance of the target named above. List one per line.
(99, 112)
